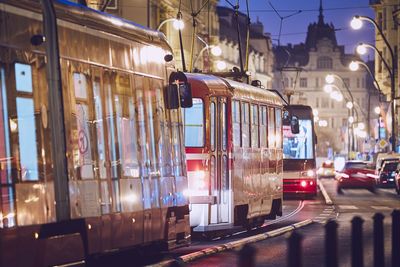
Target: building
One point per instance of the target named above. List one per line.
(260, 56)
(300, 74)
(152, 14)
(387, 17)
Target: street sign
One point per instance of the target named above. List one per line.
(382, 143)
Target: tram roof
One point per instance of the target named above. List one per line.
(218, 85)
(85, 16)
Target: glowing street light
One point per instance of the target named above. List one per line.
(351, 119)
(177, 23)
(328, 88)
(349, 105)
(361, 49)
(377, 110)
(356, 23)
(361, 126)
(221, 65)
(354, 66)
(329, 78)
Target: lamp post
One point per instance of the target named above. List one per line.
(356, 24)
(215, 51)
(330, 89)
(378, 112)
(354, 66)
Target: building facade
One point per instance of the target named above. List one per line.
(260, 53)
(300, 74)
(387, 17)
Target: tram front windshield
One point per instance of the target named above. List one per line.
(298, 146)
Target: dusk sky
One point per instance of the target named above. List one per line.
(294, 28)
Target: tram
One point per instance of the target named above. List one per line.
(233, 140)
(113, 175)
(299, 164)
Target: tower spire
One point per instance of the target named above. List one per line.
(321, 16)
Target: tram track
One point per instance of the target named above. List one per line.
(254, 237)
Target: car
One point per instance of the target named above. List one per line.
(387, 173)
(326, 170)
(397, 179)
(356, 174)
(381, 157)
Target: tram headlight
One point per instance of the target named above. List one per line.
(309, 173)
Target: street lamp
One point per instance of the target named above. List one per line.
(356, 24)
(349, 105)
(221, 65)
(328, 88)
(177, 23)
(215, 51)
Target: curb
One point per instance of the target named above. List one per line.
(328, 200)
(234, 244)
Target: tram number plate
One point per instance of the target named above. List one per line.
(203, 200)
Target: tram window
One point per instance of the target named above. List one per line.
(236, 122)
(271, 128)
(212, 125)
(193, 119)
(263, 126)
(83, 162)
(223, 126)
(141, 124)
(245, 125)
(25, 124)
(278, 125)
(101, 157)
(254, 126)
(126, 128)
(23, 75)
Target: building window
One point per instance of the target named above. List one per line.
(324, 102)
(317, 82)
(358, 82)
(303, 82)
(324, 63)
(317, 102)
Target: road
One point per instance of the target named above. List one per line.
(273, 251)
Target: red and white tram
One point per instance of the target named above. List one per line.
(233, 139)
(299, 167)
(117, 179)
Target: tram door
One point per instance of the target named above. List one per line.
(220, 185)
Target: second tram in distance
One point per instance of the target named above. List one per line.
(299, 176)
(233, 139)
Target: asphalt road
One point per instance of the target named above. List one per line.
(273, 252)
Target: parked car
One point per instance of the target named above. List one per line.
(381, 157)
(397, 179)
(356, 174)
(387, 173)
(326, 170)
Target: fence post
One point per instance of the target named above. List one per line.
(247, 256)
(396, 238)
(331, 259)
(356, 242)
(294, 251)
(379, 256)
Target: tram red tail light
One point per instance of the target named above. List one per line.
(305, 183)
